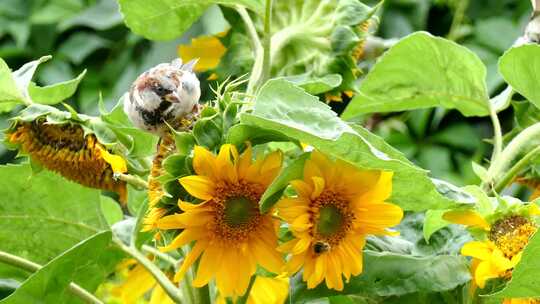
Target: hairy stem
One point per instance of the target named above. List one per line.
(509, 176)
(518, 144)
(453, 34)
(172, 291)
(132, 180)
(30, 266)
(250, 29)
(261, 68)
(497, 134)
(162, 256)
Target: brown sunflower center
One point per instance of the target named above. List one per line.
(236, 211)
(512, 234)
(332, 218)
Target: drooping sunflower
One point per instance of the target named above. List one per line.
(67, 150)
(507, 236)
(336, 207)
(231, 235)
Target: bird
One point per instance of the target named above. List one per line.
(162, 96)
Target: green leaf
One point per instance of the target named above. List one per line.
(23, 76)
(111, 210)
(391, 274)
(316, 85)
(9, 91)
(169, 19)
(525, 114)
(87, 264)
(524, 282)
(80, 45)
(423, 71)
(433, 222)
(520, 68)
(241, 133)
(292, 171)
(55, 93)
(101, 16)
(40, 218)
(284, 108)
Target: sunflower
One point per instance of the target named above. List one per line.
(65, 149)
(266, 290)
(138, 281)
(336, 206)
(501, 252)
(229, 231)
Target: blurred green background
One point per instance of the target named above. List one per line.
(90, 34)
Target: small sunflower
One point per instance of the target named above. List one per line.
(496, 256)
(65, 149)
(266, 290)
(336, 206)
(229, 231)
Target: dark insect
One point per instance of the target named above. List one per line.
(321, 247)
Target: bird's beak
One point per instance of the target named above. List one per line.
(172, 97)
(190, 65)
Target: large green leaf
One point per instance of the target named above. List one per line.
(423, 71)
(8, 88)
(390, 274)
(285, 108)
(42, 215)
(55, 93)
(87, 264)
(169, 19)
(520, 67)
(524, 283)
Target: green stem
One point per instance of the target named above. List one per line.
(519, 143)
(172, 291)
(261, 68)
(243, 299)
(202, 295)
(497, 134)
(250, 29)
(513, 172)
(457, 19)
(30, 266)
(132, 180)
(162, 256)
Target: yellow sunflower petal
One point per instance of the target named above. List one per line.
(210, 261)
(192, 256)
(200, 187)
(533, 209)
(302, 188)
(467, 217)
(138, 282)
(318, 186)
(484, 272)
(185, 237)
(226, 163)
(374, 218)
(269, 290)
(204, 162)
(159, 296)
(478, 249)
(118, 164)
(208, 49)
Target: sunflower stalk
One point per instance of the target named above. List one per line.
(133, 180)
(30, 266)
(261, 68)
(514, 171)
(512, 150)
(172, 291)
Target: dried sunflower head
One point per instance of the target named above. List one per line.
(68, 145)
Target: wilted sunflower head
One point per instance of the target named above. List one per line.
(337, 205)
(69, 148)
(231, 235)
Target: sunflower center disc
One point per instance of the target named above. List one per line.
(239, 211)
(330, 220)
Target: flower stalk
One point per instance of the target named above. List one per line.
(30, 266)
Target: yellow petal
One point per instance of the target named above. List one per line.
(484, 272)
(184, 238)
(118, 164)
(210, 261)
(159, 296)
(138, 282)
(192, 256)
(208, 49)
(318, 186)
(534, 210)
(267, 257)
(381, 190)
(204, 162)
(267, 290)
(302, 188)
(374, 218)
(478, 249)
(199, 186)
(467, 217)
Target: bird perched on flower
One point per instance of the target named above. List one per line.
(163, 95)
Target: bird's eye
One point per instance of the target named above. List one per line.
(160, 90)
